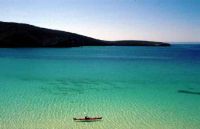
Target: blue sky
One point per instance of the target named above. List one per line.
(158, 20)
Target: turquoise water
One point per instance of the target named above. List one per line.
(130, 87)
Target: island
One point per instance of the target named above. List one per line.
(14, 35)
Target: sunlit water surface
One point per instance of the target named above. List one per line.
(130, 87)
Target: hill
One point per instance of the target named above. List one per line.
(14, 35)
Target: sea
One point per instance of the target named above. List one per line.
(130, 87)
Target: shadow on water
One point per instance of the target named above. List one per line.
(66, 87)
(190, 88)
(188, 92)
(61, 90)
(73, 87)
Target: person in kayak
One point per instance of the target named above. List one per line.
(86, 117)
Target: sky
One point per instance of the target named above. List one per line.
(154, 20)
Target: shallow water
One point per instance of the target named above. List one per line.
(130, 87)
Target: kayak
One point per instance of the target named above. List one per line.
(88, 119)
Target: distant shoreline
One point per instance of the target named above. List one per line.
(195, 43)
(18, 35)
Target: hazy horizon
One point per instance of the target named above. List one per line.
(167, 21)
